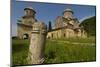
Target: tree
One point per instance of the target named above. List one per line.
(89, 25)
(49, 26)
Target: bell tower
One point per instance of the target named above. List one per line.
(26, 22)
(29, 16)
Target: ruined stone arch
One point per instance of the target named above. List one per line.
(25, 36)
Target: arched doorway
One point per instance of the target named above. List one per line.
(52, 35)
(25, 36)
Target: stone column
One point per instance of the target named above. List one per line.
(37, 44)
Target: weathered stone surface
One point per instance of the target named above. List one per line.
(66, 26)
(24, 27)
(67, 19)
(37, 44)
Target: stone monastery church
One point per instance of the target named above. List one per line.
(66, 26)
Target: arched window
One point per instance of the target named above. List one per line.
(26, 12)
(64, 35)
(52, 35)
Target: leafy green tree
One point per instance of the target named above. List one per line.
(89, 25)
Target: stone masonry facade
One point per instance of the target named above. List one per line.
(66, 26)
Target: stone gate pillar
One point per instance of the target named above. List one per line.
(37, 44)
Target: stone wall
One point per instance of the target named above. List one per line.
(23, 30)
(65, 33)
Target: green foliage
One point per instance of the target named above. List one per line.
(19, 51)
(90, 26)
(60, 52)
(57, 50)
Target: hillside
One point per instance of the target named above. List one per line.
(90, 25)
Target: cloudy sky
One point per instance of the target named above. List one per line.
(47, 11)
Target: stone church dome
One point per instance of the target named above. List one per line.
(68, 10)
(30, 8)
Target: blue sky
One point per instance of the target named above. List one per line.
(47, 11)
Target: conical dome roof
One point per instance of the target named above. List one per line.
(68, 10)
(30, 8)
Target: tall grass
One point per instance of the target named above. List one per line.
(56, 51)
(19, 51)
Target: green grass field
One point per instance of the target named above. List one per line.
(57, 50)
